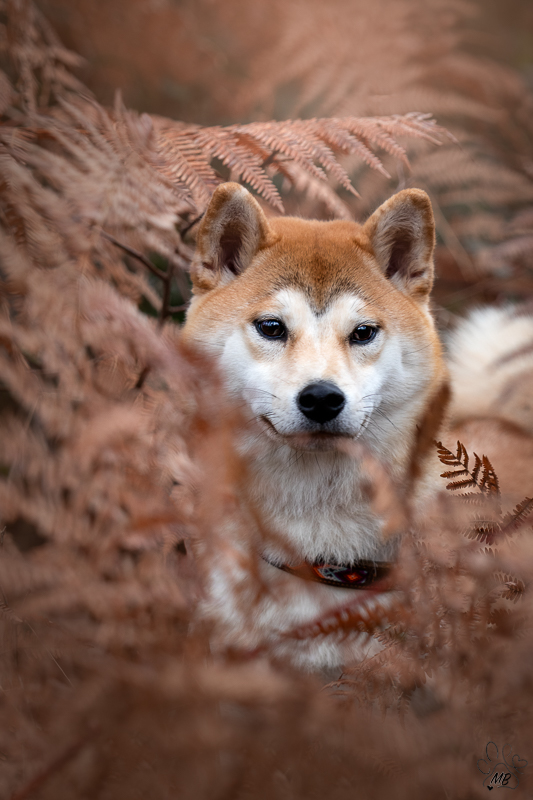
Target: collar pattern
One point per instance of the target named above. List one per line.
(358, 575)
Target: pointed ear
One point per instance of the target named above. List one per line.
(233, 230)
(402, 235)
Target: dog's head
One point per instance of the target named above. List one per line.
(323, 328)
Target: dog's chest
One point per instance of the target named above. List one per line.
(313, 505)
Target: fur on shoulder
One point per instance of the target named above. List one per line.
(490, 358)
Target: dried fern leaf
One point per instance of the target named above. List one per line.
(315, 191)
(454, 473)
(483, 530)
(518, 517)
(489, 483)
(42, 65)
(482, 475)
(473, 498)
(478, 462)
(282, 138)
(346, 621)
(453, 485)
(186, 151)
(184, 161)
(244, 162)
(512, 588)
(448, 458)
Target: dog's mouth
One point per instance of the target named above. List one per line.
(306, 440)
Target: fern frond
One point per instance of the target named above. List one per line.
(514, 520)
(348, 620)
(316, 192)
(489, 483)
(244, 161)
(184, 161)
(481, 476)
(473, 498)
(464, 484)
(42, 65)
(460, 459)
(478, 463)
(482, 530)
(512, 588)
(314, 145)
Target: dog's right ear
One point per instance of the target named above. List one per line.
(233, 230)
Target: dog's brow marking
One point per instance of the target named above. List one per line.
(334, 298)
(295, 303)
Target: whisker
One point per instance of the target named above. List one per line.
(263, 391)
(382, 413)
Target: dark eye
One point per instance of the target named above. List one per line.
(363, 334)
(271, 328)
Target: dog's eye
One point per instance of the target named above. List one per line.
(271, 328)
(363, 334)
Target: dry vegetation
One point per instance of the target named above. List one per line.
(109, 428)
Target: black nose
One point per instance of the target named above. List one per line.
(321, 402)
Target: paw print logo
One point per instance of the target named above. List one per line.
(501, 774)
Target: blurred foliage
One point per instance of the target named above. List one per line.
(116, 442)
(468, 63)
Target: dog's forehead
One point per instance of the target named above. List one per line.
(296, 307)
(323, 260)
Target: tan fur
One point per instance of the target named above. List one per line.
(322, 279)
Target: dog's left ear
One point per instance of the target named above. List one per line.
(402, 235)
(233, 230)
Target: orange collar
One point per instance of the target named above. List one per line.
(358, 575)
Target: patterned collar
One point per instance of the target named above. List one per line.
(358, 575)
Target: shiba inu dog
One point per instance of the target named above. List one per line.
(323, 333)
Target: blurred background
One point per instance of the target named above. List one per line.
(470, 64)
(202, 61)
(115, 449)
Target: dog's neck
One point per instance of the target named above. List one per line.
(316, 505)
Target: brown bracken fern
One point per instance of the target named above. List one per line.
(482, 475)
(483, 478)
(237, 61)
(139, 183)
(116, 449)
(256, 152)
